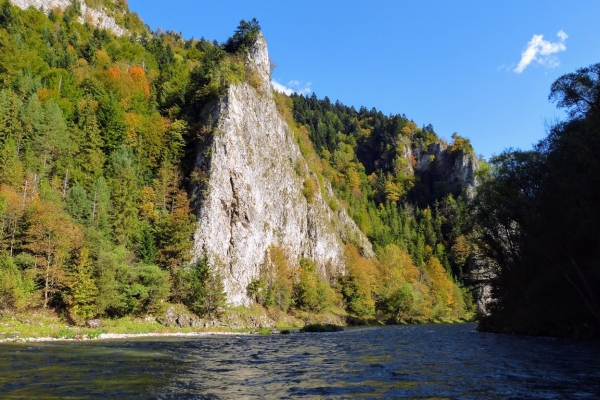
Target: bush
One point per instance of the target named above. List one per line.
(322, 328)
(274, 286)
(207, 296)
(309, 189)
(15, 290)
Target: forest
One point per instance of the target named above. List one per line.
(97, 139)
(98, 135)
(537, 220)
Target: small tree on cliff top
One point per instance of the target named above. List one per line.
(244, 36)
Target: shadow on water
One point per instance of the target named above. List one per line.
(442, 361)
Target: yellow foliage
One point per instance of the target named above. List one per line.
(353, 179)
(442, 288)
(132, 126)
(102, 59)
(396, 267)
(147, 205)
(310, 189)
(393, 192)
(361, 283)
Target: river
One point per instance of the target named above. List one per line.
(415, 361)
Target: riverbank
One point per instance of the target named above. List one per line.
(44, 325)
(49, 329)
(116, 336)
(175, 321)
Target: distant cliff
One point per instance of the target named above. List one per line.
(254, 195)
(97, 17)
(451, 169)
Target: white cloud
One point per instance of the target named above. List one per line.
(293, 86)
(542, 52)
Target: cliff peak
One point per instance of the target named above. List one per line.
(256, 192)
(258, 56)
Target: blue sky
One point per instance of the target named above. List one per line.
(458, 65)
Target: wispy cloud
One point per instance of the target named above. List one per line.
(293, 86)
(542, 51)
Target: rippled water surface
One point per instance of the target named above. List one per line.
(422, 361)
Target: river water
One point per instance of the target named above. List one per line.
(418, 361)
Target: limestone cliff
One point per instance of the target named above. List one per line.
(97, 17)
(254, 192)
(441, 164)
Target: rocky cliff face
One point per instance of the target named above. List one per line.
(98, 18)
(443, 164)
(254, 194)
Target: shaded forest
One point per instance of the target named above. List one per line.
(537, 219)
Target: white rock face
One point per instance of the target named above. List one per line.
(97, 18)
(253, 198)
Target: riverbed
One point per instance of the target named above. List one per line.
(415, 361)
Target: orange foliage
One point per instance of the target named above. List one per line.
(138, 76)
(114, 73)
(413, 160)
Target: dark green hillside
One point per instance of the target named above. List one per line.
(538, 216)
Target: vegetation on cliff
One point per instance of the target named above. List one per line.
(97, 139)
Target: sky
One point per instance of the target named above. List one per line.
(482, 69)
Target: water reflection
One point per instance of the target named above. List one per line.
(443, 361)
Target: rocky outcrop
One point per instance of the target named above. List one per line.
(442, 163)
(257, 191)
(98, 18)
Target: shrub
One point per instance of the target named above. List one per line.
(207, 296)
(15, 290)
(322, 328)
(309, 189)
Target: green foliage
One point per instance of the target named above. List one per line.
(147, 244)
(207, 296)
(461, 144)
(537, 219)
(16, 288)
(244, 36)
(97, 141)
(319, 328)
(82, 291)
(363, 155)
(274, 287)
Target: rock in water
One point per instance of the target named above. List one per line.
(253, 196)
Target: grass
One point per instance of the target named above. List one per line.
(45, 324)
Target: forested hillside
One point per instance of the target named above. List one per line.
(371, 161)
(98, 137)
(537, 218)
